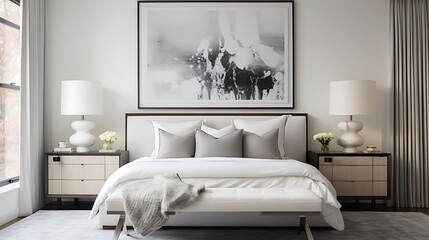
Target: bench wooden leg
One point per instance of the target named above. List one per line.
(303, 224)
(119, 227)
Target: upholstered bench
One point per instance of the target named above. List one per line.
(264, 200)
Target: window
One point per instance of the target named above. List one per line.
(10, 96)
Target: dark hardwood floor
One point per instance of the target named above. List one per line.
(87, 205)
(69, 205)
(380, 207)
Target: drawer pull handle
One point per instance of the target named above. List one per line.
(56, 159)
(328, 159)
(81, 164)
(81, 180)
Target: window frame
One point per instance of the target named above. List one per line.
(12, 86)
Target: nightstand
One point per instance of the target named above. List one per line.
(80, 175)
(355, 175)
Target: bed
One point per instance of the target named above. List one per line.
(260, 179)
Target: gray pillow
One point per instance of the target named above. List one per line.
(176, 146)
(265, 146)
(229, 145)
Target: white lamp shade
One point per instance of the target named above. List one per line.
(80, 97)
(352, 97)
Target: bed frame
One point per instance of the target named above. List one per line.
(140, 142)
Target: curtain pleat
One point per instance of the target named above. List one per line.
(409, 32)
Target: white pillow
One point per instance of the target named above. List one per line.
(217, 133)
(260, 127)
(176, 128)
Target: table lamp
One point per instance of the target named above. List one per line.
(80, 97)
(351, 97)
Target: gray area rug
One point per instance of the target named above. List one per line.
(72, 225)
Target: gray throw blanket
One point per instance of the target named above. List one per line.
(147, 202)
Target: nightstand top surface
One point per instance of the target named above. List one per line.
(337, 153)
(92, 153)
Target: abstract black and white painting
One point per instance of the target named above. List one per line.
(215, 54)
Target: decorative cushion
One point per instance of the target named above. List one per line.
(176, 146)
(230, 145)
(176, 128)
(265, 146)
(217, 133)
(261, 127)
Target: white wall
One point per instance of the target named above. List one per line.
(334, 40)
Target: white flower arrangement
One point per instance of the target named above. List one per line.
(324, 138)
(109, 136)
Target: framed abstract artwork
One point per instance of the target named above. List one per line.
(215, 54)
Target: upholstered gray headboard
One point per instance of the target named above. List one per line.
(140, 134)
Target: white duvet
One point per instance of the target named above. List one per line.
(232, 172)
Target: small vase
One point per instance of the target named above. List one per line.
(108, 145)
(324, 148)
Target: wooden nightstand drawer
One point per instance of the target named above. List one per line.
(54, 171)
(112, 160)
(54, 186)
(379, 188)
(325, 161)
(380, 173)
(326, 171)
(353, 188)
(87, 160)
(353, 161)
(77, 160)
(84, 187)
(352, 173)
(110, 169)
(380, 161)
(83, 171)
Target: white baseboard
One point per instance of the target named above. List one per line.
(8, 216)
(9, 202)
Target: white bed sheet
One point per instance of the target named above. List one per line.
(232, 172)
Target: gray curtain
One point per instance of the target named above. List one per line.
(410, 45)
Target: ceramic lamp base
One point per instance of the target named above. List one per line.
(350, 140)
(82, 139)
